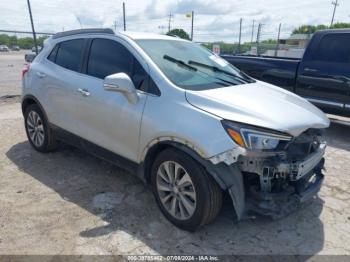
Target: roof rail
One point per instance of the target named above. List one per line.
(84, 31)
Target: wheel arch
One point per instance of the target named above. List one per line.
(28, 100)
(194, 152)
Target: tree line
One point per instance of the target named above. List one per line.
(22, 42)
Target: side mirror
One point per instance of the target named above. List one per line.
(122, 83)
(29, 57)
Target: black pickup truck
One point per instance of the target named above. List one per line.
(322, 76)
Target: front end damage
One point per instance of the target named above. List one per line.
(276, 182)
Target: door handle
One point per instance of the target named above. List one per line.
(310, 69)
(84, 92)
(40, 74)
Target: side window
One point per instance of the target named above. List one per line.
(108, 57)
(142, 80)
(69, 54)
(139, 76)
(335, 48)
(52, 55)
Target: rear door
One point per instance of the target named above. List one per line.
(324, 75)
(61, 74)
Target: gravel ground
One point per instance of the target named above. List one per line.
(11, 64)
(69, 202)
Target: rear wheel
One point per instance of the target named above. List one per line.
(187, 196)
(38, 131)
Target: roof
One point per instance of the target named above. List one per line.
(142, 35)
(83, 31)
(108, 31)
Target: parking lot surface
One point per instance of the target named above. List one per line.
(69, 202)
(11, 64)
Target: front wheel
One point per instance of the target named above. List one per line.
(185, 193)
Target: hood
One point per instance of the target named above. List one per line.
(260, 104)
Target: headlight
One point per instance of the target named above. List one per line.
(254, 138)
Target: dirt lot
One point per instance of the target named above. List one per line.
(11, 64)
(68, 202)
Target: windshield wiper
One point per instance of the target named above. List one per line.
(179, 62)
(183, 64)
(216, 69)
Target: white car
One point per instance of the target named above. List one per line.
(183, 119)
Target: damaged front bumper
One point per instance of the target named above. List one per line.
(275, 187)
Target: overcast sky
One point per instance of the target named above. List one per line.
(214, 20)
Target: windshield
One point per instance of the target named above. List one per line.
(191, 66)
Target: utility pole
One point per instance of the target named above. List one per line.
(170, 16)
(115, 25)
(251, 40)
(192, 16)
(31, 21)
(124, 16)
(278, 38)
(335, 3)
(258, 38)
(240, 35)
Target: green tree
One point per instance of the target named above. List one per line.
(179, 32)
(23, 43)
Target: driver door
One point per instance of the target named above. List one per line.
(108, 119)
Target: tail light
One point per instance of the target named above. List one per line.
(25, 70)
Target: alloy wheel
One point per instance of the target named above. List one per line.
(176, 190)
(35, 129)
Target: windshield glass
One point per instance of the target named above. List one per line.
(191, 66)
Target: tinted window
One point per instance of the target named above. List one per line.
(139, 76)
(69, 54)
(108, 57)
(52, 55)
(142, 80)
(335, 48)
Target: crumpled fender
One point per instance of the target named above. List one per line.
(230, 178)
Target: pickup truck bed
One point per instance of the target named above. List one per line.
(279, 72)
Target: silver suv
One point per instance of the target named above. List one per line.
(184, 120)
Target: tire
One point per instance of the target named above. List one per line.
(36, 122)
(200, 191)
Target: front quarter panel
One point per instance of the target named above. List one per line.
(171, 118)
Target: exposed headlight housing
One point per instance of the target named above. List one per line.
(254, 138)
